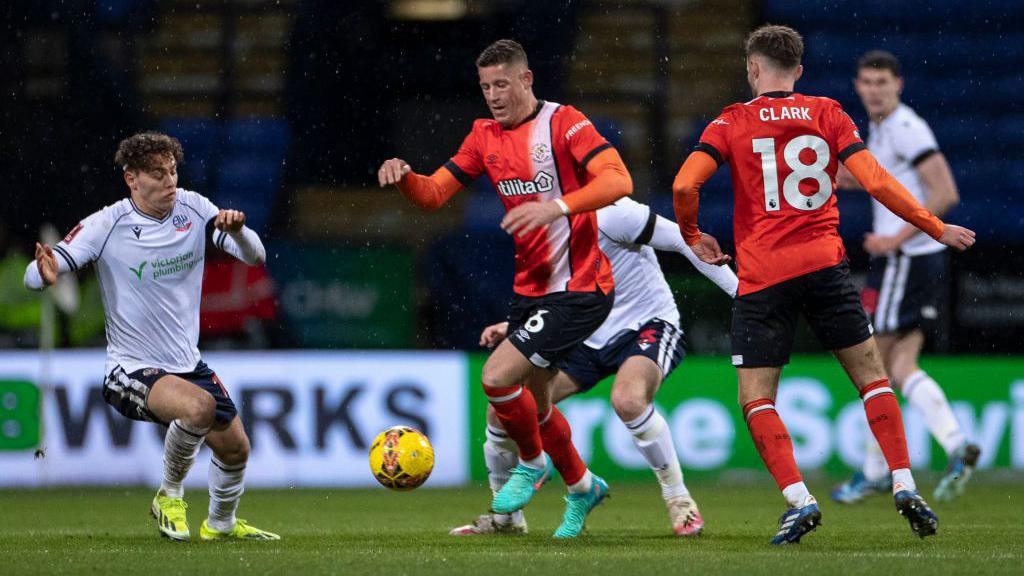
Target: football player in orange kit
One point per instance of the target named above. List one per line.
(783, 150)
(552, 169)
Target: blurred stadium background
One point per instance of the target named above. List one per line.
(286, 109)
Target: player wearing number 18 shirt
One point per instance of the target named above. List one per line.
(783, 150)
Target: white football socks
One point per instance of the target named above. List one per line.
(925, 394)
(181, 444)
(653, 439)
(226, 487)
(583, 485)
(500, 456)
(875, 467)
(797, 495)
(902, 479)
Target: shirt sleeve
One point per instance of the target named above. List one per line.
(666, 238)
(844, 133)
(203, 206)
(914, 140)
(626, 222)
(468, 163)
(84, 243)
(578, 133)
(714, 141)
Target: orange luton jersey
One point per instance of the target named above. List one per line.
(542, 158)
(783, 150)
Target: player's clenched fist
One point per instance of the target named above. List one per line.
(229, 220)
(392, 171)
(957, 237)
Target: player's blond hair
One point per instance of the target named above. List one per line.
(142, 151)
(503, 51)
(782, 45)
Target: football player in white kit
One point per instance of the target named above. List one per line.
(149, 250)
(640, 343)
(908, 280)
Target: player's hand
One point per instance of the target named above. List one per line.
(957, 237)
(47, 264)
(877, 245)
(392, 171)
(494, 334)
(531, 216)
(708, 251)
(229, 220)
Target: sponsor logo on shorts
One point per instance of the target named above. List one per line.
(522, 334)
(646, 338)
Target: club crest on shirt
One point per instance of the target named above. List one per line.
(181, 222)
(540, 152)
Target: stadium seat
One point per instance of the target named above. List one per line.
(251, 185)
(199, 137)
(263, 137)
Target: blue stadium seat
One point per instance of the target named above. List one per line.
(264, 137)
(199, 138)
(608, 128)
(251, 185)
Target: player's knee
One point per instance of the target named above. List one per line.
(236, 453)
(629, 402)
(493, 377)
(200, 411)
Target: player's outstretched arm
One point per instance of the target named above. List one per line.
(699, 166)
(237, 239)
(942, 197)
(610, 180)
(666, 238)
(43, 271)
(426, 192)
(887, 190)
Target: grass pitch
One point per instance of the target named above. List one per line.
(103, 531)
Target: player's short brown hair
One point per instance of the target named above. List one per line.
(780, 44)
(141, 151)
(503, 51)
(880, 60)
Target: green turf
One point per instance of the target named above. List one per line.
(102, 531)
